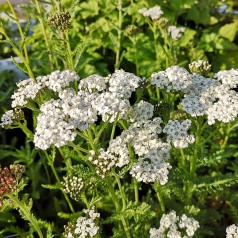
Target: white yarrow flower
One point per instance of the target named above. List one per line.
(154, 12)
(232, 231)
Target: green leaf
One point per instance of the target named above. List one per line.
(229, 31)
(89, 9)
(52, 186)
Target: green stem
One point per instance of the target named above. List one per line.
(67, 161)
(44, 34)
(69, 51)
(194, 158)
(136, 191)
(24, 57)
(117, 206)
(156, 36)
(91, 140)
(114, 126)
(51, 164)
(227, 133)
(161, 202)
(119, 35)
(22, 207)
(121, 190)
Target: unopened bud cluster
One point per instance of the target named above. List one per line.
(200, 67)
(9, 178)
(72, 186)
(130, 30)
(17, 170)
(8, 183)
(60, 20)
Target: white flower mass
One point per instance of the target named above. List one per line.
(154, 12)
(171, 226)
(86, 226)
(232, 231)
(108, 99)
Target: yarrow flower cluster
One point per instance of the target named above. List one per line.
(172, 226)
(207, 96)
(202, 96)
(228, 77)
(85, 226)
(154, 12)
(152, 152)
(73, 185)
(176, 32)
(232, 231)
(7, 118)
(173, 78)
(177, 133)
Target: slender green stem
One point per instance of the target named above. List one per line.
(156, 44)
(120, 189)
(119, 35)
(22, 207)
(227, 133)
(85, 200)
(117, 206)
(159, 196)
(69, 51)
(78, 149)
(182, 161)
(136, 191)
(196, 149)
(44, 34)
(114, 126)
(103, 127)
(51, 164)
(67, 161)
(91, 140)
(24, 56)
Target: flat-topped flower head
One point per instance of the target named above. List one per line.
(27, 89)
(172, 226)
(176, 32)
(232, 231)
(173, 78)
(85, 226)
(124, 83)
(93, 83)
(177, 133)
(154, 12)
(228, 77)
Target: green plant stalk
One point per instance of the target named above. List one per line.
(194, 158)
(117, 206)
(136, 191)
(19, 53)
(119, 35)
(120, 189)
(20, 30)
(51, 164)
(103, 127)
(134, 42)
(67, 161)
(91, 140)
(160, 199)
(44, 34)
(193, 162)
(114, 126)
(69, 51)
(227, 133)
(26, 213)
(156, 36)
